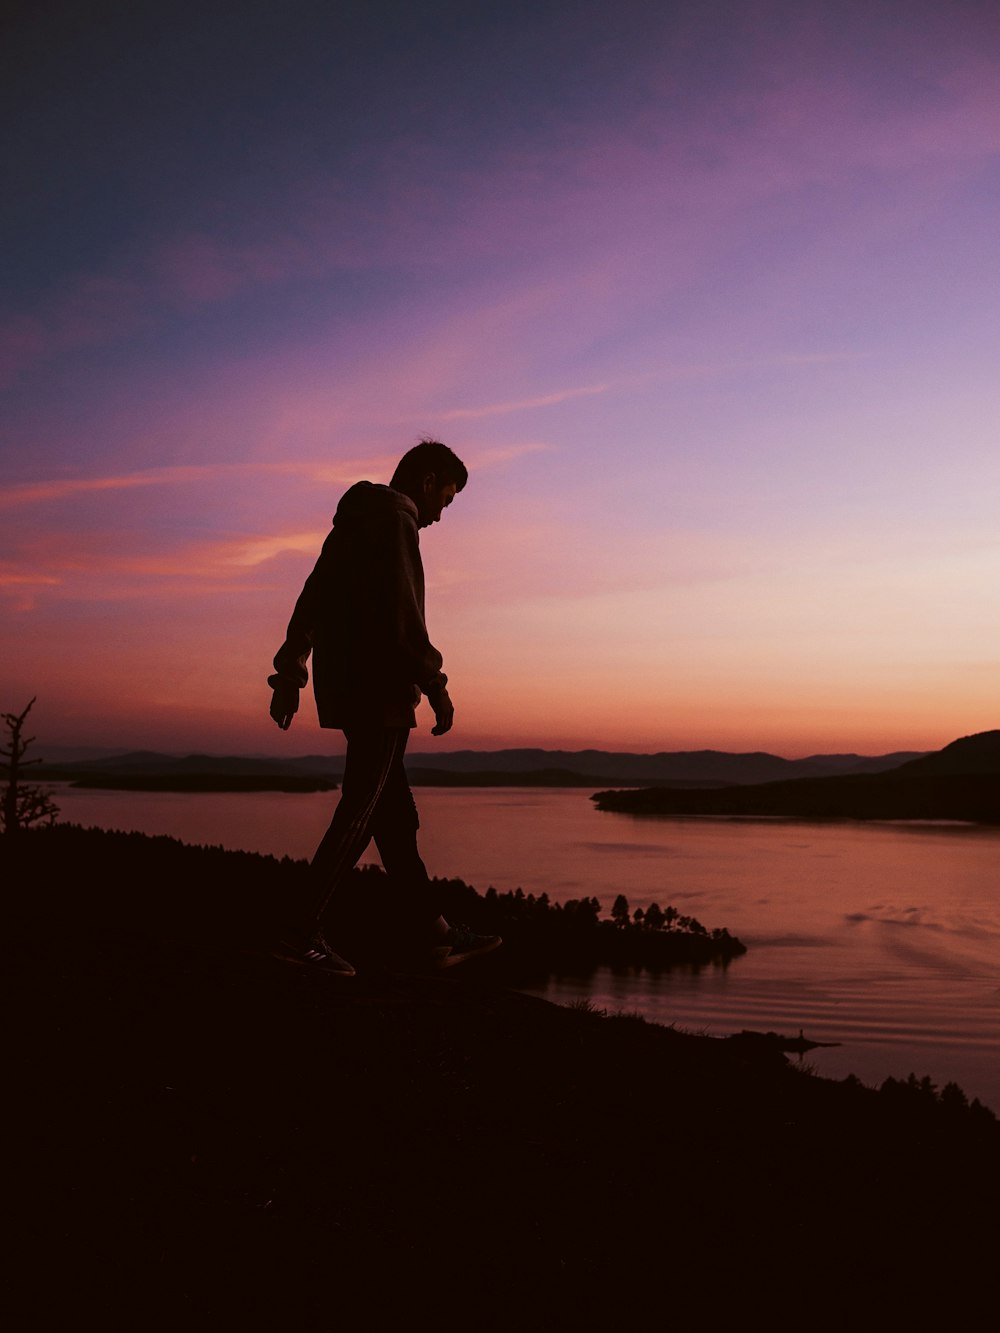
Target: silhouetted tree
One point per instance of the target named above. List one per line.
(619, 911)
(954, 1098)
(583, 911)
(925, 1087)
(23, 803)
(654, 917)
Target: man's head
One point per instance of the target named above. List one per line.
(431, 475)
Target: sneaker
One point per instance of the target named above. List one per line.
(462, 943)
(315, 953)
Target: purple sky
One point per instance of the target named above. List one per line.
(705, 294)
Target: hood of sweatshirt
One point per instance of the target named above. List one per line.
(367, 500)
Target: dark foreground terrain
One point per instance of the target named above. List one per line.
(217, 1140)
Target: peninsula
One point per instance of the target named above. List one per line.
(960, 782)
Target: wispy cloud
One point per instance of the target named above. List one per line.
(259, 550)
(20, 591)
(90, 309)
(498, 455)
(16, 579)
(523, 404)
(69, 488)
(118, 568)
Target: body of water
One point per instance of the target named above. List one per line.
(883, 937)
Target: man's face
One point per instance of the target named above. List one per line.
(433, 501)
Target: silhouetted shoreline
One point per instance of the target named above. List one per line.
(196, 782)
(960, 782)
(218, 1130)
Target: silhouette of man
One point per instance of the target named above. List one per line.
(361, 616)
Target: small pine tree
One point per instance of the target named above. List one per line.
(654, 917)
(23, 804)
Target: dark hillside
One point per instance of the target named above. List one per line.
(220, 1141)
(979, 754)
(961, 782)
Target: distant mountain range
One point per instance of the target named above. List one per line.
(960, 782)
(578, 768)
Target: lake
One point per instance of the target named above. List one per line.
(884, 937)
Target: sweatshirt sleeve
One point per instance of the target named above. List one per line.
(417, 655)
(290, 660)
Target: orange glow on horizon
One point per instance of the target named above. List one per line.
(713, 328)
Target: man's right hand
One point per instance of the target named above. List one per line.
(444, 712)
(284, 704)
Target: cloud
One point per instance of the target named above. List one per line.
(422, 205)
(499, 455)
(897, 916)
(91, 308)
(340, 473)
(259, 550)
(524, 404)
(196, 269)
(20, 590)
(69, 488)
(623, 211)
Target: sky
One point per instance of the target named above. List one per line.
(704, 294)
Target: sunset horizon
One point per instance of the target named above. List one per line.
(312, 740)
(591, 413)
(703, 295)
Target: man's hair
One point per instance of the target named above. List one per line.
(429, 456)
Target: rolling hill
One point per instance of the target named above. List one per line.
(960, 782)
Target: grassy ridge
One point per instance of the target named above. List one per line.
(211, 895)
(220, 1141)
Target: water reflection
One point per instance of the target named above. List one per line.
(885, 937)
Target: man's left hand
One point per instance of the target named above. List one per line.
(284, 704)
(444, 712)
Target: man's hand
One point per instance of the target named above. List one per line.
(284, 704)
(444, 711)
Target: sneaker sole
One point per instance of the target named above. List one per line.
(314, 966)
(452, 959)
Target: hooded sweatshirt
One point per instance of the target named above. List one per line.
(361, 615)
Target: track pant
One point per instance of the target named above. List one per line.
(375, 802)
